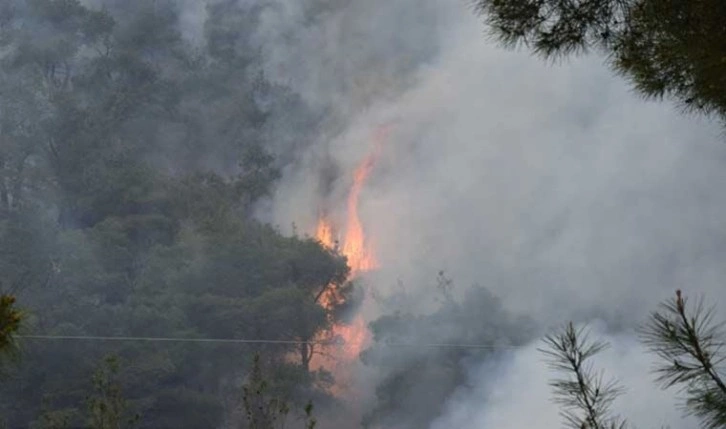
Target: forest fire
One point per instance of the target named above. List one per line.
(358, 250)
(324, 232)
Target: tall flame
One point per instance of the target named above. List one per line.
(324, 232)
(357, 249)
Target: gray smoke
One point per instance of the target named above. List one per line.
(553, 186)
(513, 393)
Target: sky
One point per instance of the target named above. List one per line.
(553, 185)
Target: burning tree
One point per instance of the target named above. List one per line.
(358, 251)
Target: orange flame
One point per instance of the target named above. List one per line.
(357, 248)
(324, 232)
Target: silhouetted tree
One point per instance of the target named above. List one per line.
(584, 394)
(670, 48)
(689, 345)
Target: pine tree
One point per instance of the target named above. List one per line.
(666, 48)
(583, 393)
(689, 345)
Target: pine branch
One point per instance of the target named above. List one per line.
(689, 344)
(584, 394)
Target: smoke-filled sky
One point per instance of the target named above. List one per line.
(552, 185)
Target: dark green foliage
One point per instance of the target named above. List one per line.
(57, 419)
(10, 322)
(583, 393)
(263, 410)
(130, 167)
(666, 48)
(245, 281)
(107, 407)
(688, 344)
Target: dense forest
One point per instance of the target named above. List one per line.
(139, 287)
(132, 160)
(130, 164)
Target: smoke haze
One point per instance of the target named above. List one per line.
(521, 396)
(551, 185)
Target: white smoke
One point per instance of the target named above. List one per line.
(514, 393)
(553, 186)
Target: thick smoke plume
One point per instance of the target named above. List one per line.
(513, 393)
(552, 186)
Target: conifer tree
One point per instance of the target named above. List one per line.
(583, 393)
(689, 346)
(666, 48)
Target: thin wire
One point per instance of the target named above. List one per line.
(249, 341)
